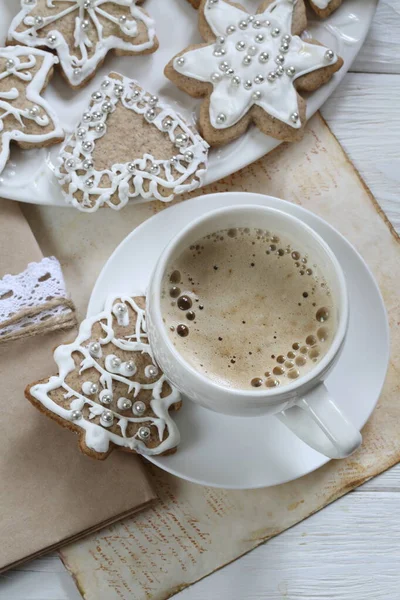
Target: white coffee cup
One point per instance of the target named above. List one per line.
(303, 405)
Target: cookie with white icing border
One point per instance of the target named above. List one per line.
(252, 69)
(109, 389)
(324, 8)
(129, 145)
(82, 32)
(25, 118)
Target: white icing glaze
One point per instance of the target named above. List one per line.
(321, 3)
(24, 60)
(98, 436)
(74, 60)
(139, 176)
(229, 102)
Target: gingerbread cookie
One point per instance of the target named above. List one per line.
(129, 144)
(251, 69)
(82, 32)
(109, 389)
(25, 118)
(324, 8)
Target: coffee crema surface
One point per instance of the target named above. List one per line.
(247, 308)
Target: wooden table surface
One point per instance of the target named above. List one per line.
(350, 550)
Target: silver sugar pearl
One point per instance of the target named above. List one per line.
(243, 24)
(257, 95)
(100, 128)
(144, 434)
(87, 117)
(215, 77)
(34, 111)
(180, 61)
(89, 183)
(120, 309)
(122, 20)
(294, 117)
(280, 59)
(106, 398)
(275, 32)
(38, 21)
(224, 66)
(264, 57)
(287, 38)
(221, 118)
(188, 156)
(106, 107)
(76, 415)
(85, 24)
(94, 388)
(131, 167)
(87, 165)
(236, 81)
(252, 50)
(152, 101)
(240, 45)
(271, 76)
(247, 60)
(70, 163)
(139, 408)
(291, 71)
(77, 71)
(167, 124)
(94, 349)
(329, 55)
(150, 114)
(247, 84)
(250, 18)
(218, 51)
(173, 161)
(221, 40)
(229, 72)
(97, 96)
(280, 71)
(116, 362)
(96, 115)
(230, 29)
(105, 84)
(181, 140)
(87, 146)
(259, 78)
(151, 371)
(259, 38)
(154, 169)
(284, 47)
(10, 64)
(257, 24)
(81, 133)
(107, 418)
(51, 39)
(118, 89)
(130, 366)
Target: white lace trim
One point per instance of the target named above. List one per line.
(38, 284)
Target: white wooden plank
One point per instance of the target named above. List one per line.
(387, 482)
(35, 585)
(381, 51)
(363, 114)
(349, 550)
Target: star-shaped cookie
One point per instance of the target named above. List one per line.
(25, 118)
(252, 68)
(82, 32)
(108, 388)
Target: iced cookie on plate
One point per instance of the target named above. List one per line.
(108, 388)
(324, 8)
(252, 69)
(129, 145)
(25, 118)
(82, 32)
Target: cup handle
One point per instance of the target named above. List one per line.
(320, 423)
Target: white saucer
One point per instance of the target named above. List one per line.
(232, 452)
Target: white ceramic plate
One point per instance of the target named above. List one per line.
(29, 176)
(232, 452)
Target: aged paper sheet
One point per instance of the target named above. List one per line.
(194, 530)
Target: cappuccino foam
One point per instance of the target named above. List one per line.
(247, 308)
